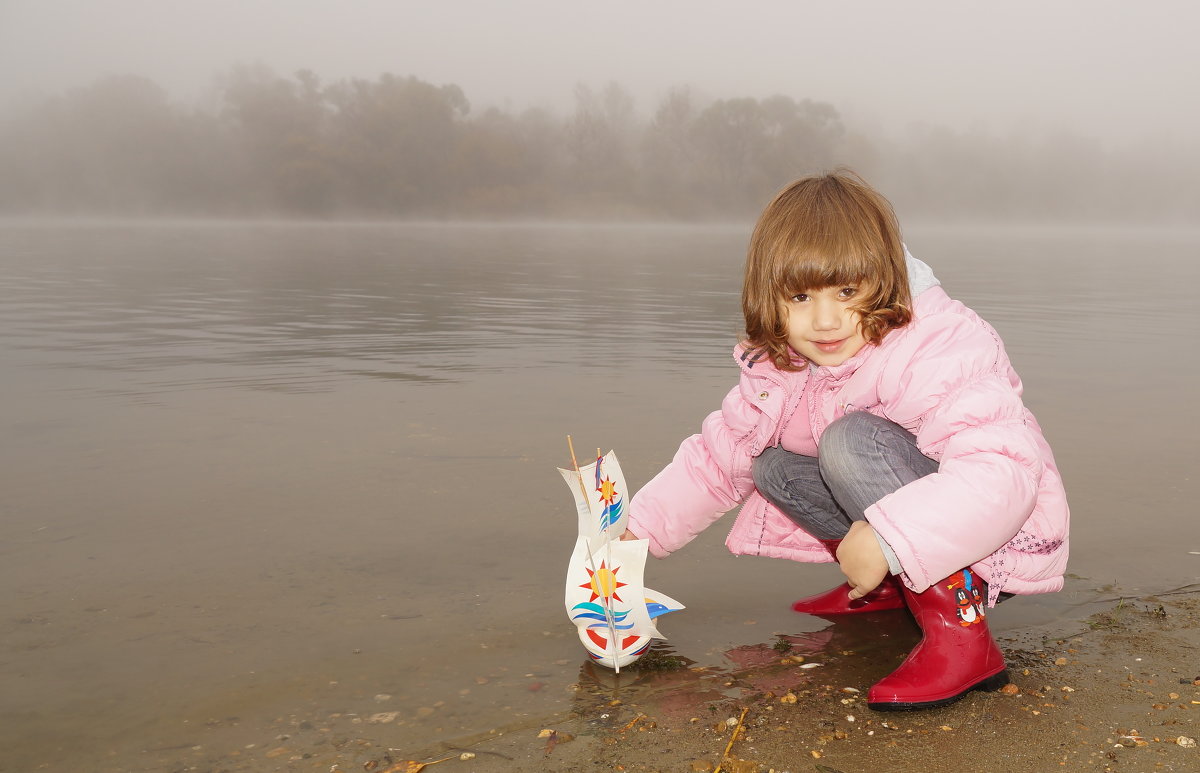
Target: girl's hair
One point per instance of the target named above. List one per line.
(818, 232)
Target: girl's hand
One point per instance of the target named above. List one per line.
(862, 560)
(628, 535)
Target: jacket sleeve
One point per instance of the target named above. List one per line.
(709, 475)
(951, 384)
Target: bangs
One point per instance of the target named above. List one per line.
(826, 234)
(815, 266)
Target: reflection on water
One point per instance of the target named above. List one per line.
(253, 468)
(299, 307)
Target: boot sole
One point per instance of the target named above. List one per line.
(991, 684)
(846, 607)
(865, 609)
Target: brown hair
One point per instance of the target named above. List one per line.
(831, 229)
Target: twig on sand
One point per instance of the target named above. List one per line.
(633, 722)
(732, 738)
(412, 766)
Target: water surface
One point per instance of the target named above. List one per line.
(253, 471)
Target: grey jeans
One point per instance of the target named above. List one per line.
(863, 458)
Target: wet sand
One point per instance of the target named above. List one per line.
(1119, 691)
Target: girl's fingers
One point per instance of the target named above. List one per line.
(858, 590)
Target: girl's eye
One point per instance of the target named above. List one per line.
(848, 292)
(799, 297)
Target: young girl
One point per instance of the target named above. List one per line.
(877, 423)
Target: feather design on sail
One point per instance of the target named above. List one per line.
(605, 597)
(599, 492)
(613, 503)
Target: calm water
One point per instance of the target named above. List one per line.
(253, 472)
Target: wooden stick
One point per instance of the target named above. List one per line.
(607, 538)
(633, 722)
(732, 738)
(575, 464)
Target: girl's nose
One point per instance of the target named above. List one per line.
(826, 316)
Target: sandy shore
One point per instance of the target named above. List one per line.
(1117, 692)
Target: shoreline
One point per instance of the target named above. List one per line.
(1121, 692)
(1118, 691)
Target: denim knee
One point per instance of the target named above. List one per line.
(864, 458)
(793, 484)
(770, 474)
(842, 445)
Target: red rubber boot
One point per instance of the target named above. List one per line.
(837, 600)
(957, 653)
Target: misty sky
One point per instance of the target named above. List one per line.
(1103, 68)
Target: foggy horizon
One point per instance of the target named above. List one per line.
(1108, 70)
(538, 109)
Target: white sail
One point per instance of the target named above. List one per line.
(605, 596)
(601, 498)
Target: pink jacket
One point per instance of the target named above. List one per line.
(996, 504)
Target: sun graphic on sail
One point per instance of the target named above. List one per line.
(608, 491)
(611, 501)
(603, 583)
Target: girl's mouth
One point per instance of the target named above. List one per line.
(829, 347)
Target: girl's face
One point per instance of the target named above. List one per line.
(823, 325)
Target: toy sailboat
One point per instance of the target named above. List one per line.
(605, 596)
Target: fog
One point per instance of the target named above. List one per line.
(1074, 110)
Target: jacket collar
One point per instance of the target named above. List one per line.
(756, 363)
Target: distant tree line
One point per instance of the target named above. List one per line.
(399, 147)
